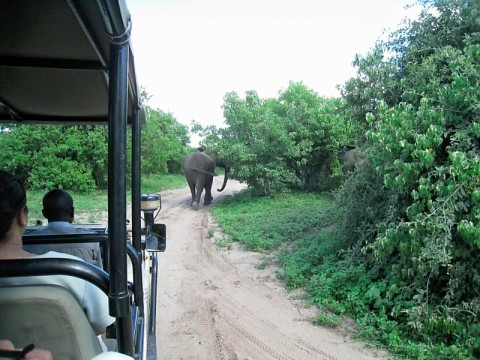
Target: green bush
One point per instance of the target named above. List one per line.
(48, 156)
(368, 206)
(420, 107)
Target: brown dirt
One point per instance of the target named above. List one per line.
(218, 303)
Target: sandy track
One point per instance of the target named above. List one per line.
(214, 303)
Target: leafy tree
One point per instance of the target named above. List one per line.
(377, 81)
(273, 144)
(75, 157)
(424, 142)
(254, 142)
(316, 129)
(431, 153)
(164, 143)
(43, 157)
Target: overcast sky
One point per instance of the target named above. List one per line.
(190, 53)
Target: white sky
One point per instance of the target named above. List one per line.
(190, 53)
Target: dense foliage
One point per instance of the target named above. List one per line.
(423, 141)
(47, 156)
(164, 143)
(289, 141)
(75, 157)
(403, 255)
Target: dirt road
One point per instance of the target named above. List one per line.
(214, 304)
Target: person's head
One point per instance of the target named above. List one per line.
(58, 206)
(13, 203)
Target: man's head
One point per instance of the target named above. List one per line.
(58, 206)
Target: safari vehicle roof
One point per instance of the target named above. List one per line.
(54, 60)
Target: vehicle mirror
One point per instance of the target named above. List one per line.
(157, 241)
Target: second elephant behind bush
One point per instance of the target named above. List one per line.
(350, 159)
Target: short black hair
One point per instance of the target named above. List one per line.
(57, 204)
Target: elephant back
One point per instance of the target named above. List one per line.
(199, 161)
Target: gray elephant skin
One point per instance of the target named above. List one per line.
(199, 168)
(350, 158)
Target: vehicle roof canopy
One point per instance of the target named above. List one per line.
(54, 60)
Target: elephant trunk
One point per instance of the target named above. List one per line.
(224, 180)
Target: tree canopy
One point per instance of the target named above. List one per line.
(75, 157)
(283, 142)
(48, 156)
(164, 143)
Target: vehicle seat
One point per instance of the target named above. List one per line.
(49, 317)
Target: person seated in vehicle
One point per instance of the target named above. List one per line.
(58, 209)
(8, 351)
(13, 222)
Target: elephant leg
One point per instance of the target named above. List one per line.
(191, 185)
(208, 191)
(195, 205)
(196, 201)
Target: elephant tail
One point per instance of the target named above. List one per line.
(224, 180)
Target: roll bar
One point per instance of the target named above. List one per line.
(56, 266)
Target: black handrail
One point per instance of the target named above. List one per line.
(136, 260)
(79, 238)
(56, 266)
(153, 296)
(134, 256)
(32, 239)
(136, 183)
(139, 339)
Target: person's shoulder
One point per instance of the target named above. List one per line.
(84, 231)
(111, 355)
(41, 231)
(54, 254)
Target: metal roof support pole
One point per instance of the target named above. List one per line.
(136, 211)
(136, 183)
(117, 196)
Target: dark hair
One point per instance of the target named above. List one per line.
(13, 198)
(57, 205)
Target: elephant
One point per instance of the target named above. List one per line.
(350, 158)
(199, 168)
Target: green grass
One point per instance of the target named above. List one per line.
(327, 319)
(157, 183)
(88, 207)
(263, 223)
(92, 207)
(264, 262)
(301, 230)
(224, 242)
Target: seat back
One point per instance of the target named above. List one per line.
(49, 317)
